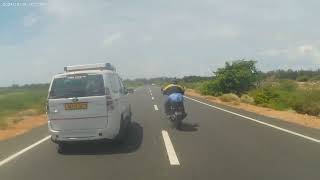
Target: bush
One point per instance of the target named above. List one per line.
(307, 102)
(263, 96)
(278, 95)
(303, 78)
(211, 88)
(230, 98)
(287, 85)
(315, 78)
(307, 108)
(193, 85)
(273, 97)
(247, 99)
(284, 95)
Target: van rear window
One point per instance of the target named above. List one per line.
(83, 85)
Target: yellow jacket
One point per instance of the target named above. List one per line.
(173, 88)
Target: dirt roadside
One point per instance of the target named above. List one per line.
(301, 119)
(24, 125)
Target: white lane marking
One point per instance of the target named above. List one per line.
(156, 107)
(170, 150)
(260, 122)
(8, 159)
(150, 92)
(152, 98)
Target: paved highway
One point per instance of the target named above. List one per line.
(215, 142)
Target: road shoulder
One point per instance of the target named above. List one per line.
(291, 117)
(10, 146)
(308, 131)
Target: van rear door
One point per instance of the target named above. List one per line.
(77, 102)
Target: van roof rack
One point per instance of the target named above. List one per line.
(86, 67)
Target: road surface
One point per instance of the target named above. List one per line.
(214, 143)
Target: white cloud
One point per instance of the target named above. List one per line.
(30, 20)
(63, 10)
(162, 34)
(223, 31)
(274, 52)
(227, 32)
(299, 53)
(110, 40)
(307, 49)
(312, 51)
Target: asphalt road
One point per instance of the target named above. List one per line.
(212, 144)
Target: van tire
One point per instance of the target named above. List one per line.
(123, 132)
(130, 112)
(62, 148)
(130, 118)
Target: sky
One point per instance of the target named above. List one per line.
(151, 38)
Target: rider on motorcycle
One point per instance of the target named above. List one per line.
(174, 94)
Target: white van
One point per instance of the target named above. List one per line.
(86, 103)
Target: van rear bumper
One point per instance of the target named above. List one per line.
(89, 135)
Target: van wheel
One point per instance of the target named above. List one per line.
(130, 112)
(130, 119)
(62, 148)
(123, 132)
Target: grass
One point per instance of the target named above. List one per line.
(15, 100)
(197, 86)
(132, 84)
(247, 99)
(3, 125)
(230, 98)
(286, 95)
(192, 85)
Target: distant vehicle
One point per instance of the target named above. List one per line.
(130, 90)
(88, 103)
(153, 84)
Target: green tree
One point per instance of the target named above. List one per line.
(237, 77)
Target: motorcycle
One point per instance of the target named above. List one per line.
(177, 114)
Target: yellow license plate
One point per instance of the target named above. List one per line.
(76, 106)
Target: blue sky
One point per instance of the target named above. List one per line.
(150, 38)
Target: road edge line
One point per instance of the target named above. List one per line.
(260, 122)
(10, 158)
